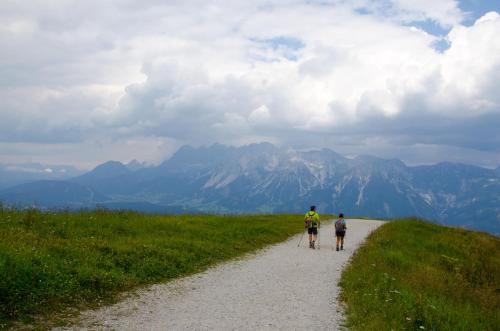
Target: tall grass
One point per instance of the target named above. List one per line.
(414, 275)
(49, 261)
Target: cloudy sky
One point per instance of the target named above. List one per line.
(82, 82)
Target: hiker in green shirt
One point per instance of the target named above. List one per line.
(312, 223)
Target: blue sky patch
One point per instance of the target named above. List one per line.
(285, 42)
(431, 27)
(441, 45)
(287, 46)
(477, 8)
(363, 11)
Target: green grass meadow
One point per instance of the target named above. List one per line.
(414, 275)
(52, 261)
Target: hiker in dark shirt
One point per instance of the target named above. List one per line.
(340, 227)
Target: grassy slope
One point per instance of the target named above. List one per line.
(412, 274)
(49, 261)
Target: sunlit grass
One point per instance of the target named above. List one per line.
(415, 275)
(50, 261)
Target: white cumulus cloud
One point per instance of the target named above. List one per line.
(309, 73)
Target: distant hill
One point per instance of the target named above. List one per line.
(102, 172)
(266, 178)
(15, 174)
(146, 207)
(52, 194)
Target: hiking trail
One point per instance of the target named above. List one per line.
(281, 287)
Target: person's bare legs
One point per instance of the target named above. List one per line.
(338, 240)
(310, 240)
(341, 243)
(314, 236)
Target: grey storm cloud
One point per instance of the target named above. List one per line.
(304, 73)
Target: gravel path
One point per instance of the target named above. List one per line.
(279, 288)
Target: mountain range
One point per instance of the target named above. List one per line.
(265, 178)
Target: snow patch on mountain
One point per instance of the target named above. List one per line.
(220, 179)
(427, 198)
(342, 184)
(363, 182)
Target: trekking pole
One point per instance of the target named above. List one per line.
(302, 236)
(319, 237)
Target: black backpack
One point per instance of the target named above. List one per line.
(339, 226)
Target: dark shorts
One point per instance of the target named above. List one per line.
(312, 230)
(340, 234)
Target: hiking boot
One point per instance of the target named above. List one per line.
(341, 248)
(337, 249)
(313, 245)
(310, 244)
